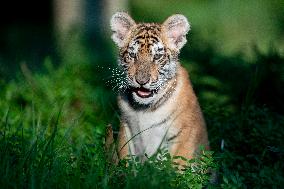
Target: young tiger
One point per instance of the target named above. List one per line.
(159, 108)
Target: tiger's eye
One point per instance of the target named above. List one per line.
(157, 56)
(132, 55)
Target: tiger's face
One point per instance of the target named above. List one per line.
(148, 62)
(148, 54)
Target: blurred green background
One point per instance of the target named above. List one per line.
(57, 56)
(226, 42)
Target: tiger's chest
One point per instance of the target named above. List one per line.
(149, 131)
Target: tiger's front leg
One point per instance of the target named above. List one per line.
(123, 146)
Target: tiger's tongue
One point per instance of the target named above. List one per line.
(143, 93)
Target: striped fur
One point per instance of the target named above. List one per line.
(158, 106)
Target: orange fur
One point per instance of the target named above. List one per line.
(190, 122)
(172, 115)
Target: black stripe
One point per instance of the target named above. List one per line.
(155, 38)
(139, 38)
(165, 97)
(174, 136)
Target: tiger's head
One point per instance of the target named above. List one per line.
(148, 53)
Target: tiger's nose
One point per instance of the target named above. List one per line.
(142, 79)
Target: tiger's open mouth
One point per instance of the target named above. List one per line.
(143, 92)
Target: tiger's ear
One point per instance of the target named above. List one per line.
(175, 29)
(120, 24)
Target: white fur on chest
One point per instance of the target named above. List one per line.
(154, 132)
(148, 130)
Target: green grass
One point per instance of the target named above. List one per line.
(53, 126)
(52, 135)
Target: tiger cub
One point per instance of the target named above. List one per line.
(159, 108)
